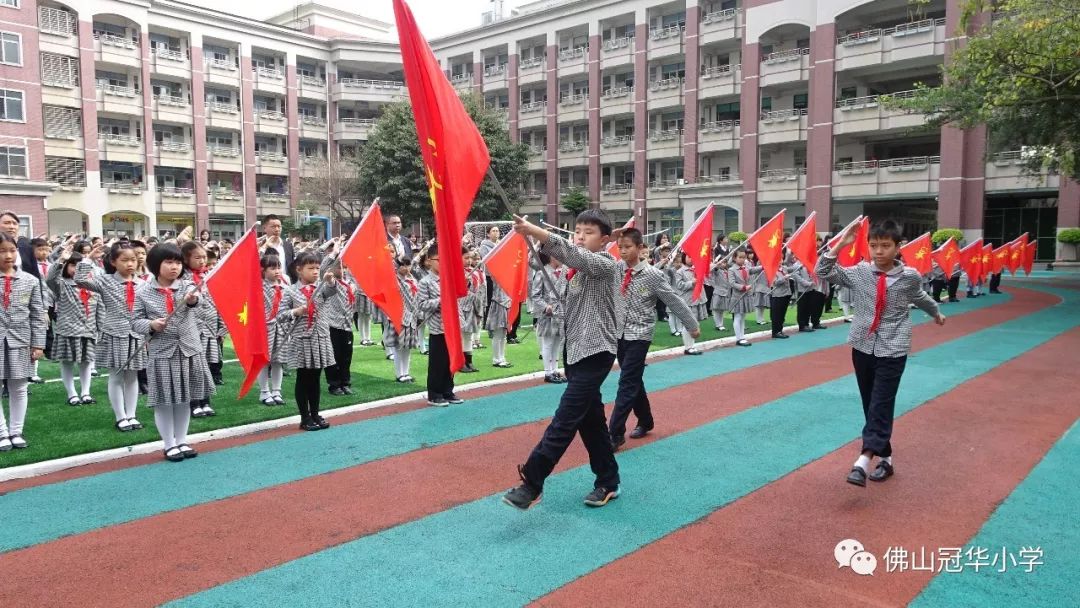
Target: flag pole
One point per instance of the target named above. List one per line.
(532, 246)
(550, 227)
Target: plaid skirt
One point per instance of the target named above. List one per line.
(365, 306)
(701, 312)
(277, 339)
(761, 300)
(497, 318)
(549, 327)
(740, 303)
(177, 381)
(73, 349)
(408, 338)
(720, 302)
(314, 352)
(212, 349)
(112, 352)
(377, 315)
(15, 363)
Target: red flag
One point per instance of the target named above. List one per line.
(696, 243)
(236, 287)
(1017, 249)
(859, 250)
(768, 243)
(1029, 256)
(971, 260)
(803, 244)
(455, 160)
(947, 256)
(369, 256)
(507, 265)
(917, 254)
(1001, 259)
(987, 261)
(613, 246)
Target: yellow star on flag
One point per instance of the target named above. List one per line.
(704, 249)
(920, 254)
(774, 240)
(243, 315)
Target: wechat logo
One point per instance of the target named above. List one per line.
(851, 553)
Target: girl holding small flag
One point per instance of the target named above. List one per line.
(721, 292)
(549, 316)
(466, 311)
(683, 281)
(119, 347)
(338, 313)
(75, 330)
(742, 279)
(479, 285)
(274, 287)
(207, 321)
(497, 323)
(167, 309)
(409, 338)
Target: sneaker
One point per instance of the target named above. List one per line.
(600, 496)
(438, 402)
(208, 411)
(5, 445)
(523, 497)
(468, 369)
(617, 442)
(197, 412)
(37, 380)
(453, 399)
(277, 399)
(18, 442)
(742, 343)
(268, 401)
(346, 390)
(691, 351)
(134, 424)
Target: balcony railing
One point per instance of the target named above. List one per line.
(720, 16)
(124, 187)
(780, 115)
(872, 101)
(1010, 157)
(272, 73)
(533, 106)
(364, 83)
(495, 70)
(273, 196)
(465, 78)
(617, 141)
(719, 71)
(664, 134)
(781, 175)
(872, 35)
(617, 92)
(573, 146)
(574, 53)
(617, 43)
(313, 81)
(117, 41)
(276, 157)
(117, 90)
(784, 56)
(217, 107)
(717, 126)
(571, 100)
(171, 100)
(174, 192)
(221, 64)
(357, 122)
(170, 54)
(528, 64)
(537, 150)
(664, 184)
(895, 165)
(120, 140)
(224, 151)
(226, 194)
(617, 188)
(715, 179)
(315, 121)
(172, 146)
(270, 115)
(666, 83)
(671, 31)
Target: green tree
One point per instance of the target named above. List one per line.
(392, 169)
(575, 201)
(1018, 74)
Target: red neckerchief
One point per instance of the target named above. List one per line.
(84, 295)
(349, 293)
(879, 302)
(276, 303)
(7, 290)
(197, 276)
(570, 274)
(309, 292)
(168, 294)
(412, 285)
(626, 280)
(131, 296)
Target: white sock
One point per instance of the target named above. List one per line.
(466, 343)
(116, 393)
(181, 416)
(760, 312)
(163, 420)
(498, 346)
(17, 405)
(277, 371)
(264, 382)
(36, 367)
(545, 353)
(67, 376)
(888, 459)
(84, 377)
(131, 392)
(718, 318)
(863, 463)
(687, 340)
(402, 356)
(846, 308)
(739, 323)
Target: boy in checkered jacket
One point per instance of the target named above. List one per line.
(881, 292)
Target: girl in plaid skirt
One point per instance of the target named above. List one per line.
(206, 321)
(409, 338)
(75, 329)
(22, 338)
(278, 333)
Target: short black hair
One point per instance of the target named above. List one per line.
(404, 261)
(135, 244)
(80, 245)
(634, 235)
(433, 250)
(595, 217)
(270, 260)
(162, 253)
(114, 251)
(304, 259)
(268, 217)
(38, 242)
(188, 248)
(73, 260)
(887, 229)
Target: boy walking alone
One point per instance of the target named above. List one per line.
(593, 325)
(881, 292)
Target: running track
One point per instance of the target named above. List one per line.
(738, 497)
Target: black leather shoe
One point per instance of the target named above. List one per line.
(780, 336)
(820, 326)
(808, 330)
(857, 477)
(883, 471)
(617, 442)
(309, 425)
(639, 432)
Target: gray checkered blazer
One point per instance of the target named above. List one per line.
(893, 335)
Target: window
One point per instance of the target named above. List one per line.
(11, 48)
(164, 88)
(766, 49)
(673, 70)
(849, 92)
(11, 105)
(800, 159)
(59, 70)
(727, 111)
(802, 43)
(766, 104)
(11, 3)
(62, 122)
(69, 172)
(12, 161)
(801, 102)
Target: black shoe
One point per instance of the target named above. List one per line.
(523, 497)
(468, 369)
(453, 399)
(187, 451)
(847, 320)
(600, 496)
(550, 379)
(781, 336)
(806, 330)
(691, 351)
(639, 432)
(309, 425)
(174, 455)
(335, 391)
(617, 442)
(219, 382)
(883, 471)
(346, 390)
(513, 341)
(742, 343)
(820, 326)
(954, 300)
(321, 422)
(437, 402)
(991, 291)
(857, 477)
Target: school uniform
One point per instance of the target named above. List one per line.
(309, 349)
(478, 289)
(779, 299)
(498, 325)
(812, 300)
(119, 347)
(742, 280)
(721, 293)
(440, 382)
(50, 307)
(640, 287)
(277, 336)
(338, 311)
(549, 325)
(593, 325)
(880, 338)
(22, 328)
(76, 324)
(409, 337)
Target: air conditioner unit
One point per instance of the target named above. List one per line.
(680, 182)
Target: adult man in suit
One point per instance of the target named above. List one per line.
(403, 247)
(272, 241)
(9, 223)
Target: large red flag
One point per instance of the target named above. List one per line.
(369, 256)
(803, 244)
(768, 243)
(859, 250)
(1029, 256)
(1017, 249)
(1001, 259)
(455, 161)
(697, 245)
(971, 260)
(917, 254)
(507, 265)
(987, 261)
(947, 256)
(236, 287)
(613, 246)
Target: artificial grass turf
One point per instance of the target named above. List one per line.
(55, 430)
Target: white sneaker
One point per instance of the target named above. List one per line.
(18, 442)
(5, 444)
(197, 412)
(123, 425)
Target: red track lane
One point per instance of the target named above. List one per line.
(957, 458)
(214, 543)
